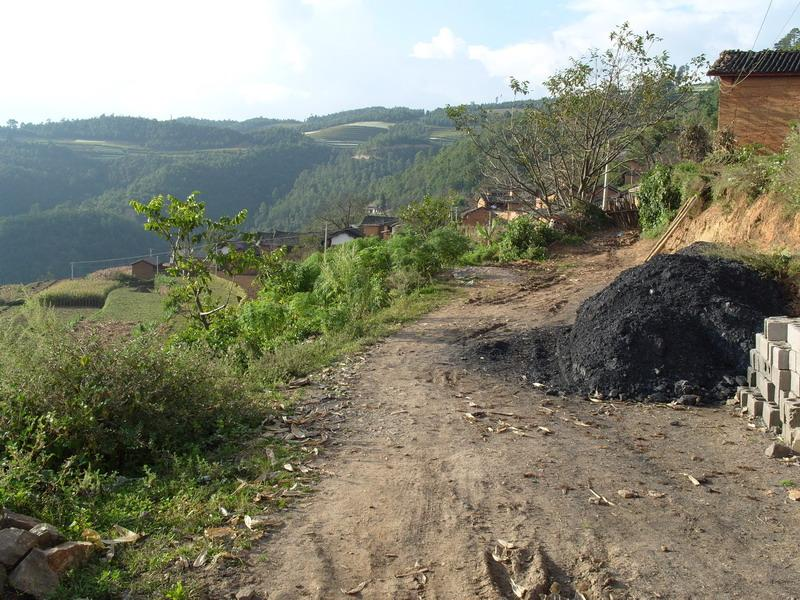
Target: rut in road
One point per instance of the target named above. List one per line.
(447, 482)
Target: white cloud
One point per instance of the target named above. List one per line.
(696, 26)
(264, 93)
(444, 45)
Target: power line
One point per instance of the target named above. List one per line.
(738, 81)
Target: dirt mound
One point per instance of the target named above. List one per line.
(679, 324)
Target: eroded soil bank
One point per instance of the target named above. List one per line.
(444, 480)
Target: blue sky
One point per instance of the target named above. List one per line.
(292, 58)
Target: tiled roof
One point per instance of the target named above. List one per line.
(764, 62)
(378, 220)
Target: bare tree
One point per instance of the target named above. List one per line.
(558, 149)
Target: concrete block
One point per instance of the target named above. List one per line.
(791, 413)
(793, 334)
(751, 377)
(754, 358)
(781, 379)
(770, 413)
(794, 382)
(754, 405)
(793, 359)
(779, 356)
(775, 328)
(762, 345)
(766, 387)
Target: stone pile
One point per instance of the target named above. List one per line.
(773, 379)
(34, 555)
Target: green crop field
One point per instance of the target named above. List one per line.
(351, 133)
(78, 293)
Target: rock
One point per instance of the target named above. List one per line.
(34, 576)
(683, 387)
(688, 400)
(658, 397)
(776, 450)
(68, 555)
(3, 581)
(14, 544)
(12, 519)
(47, 535)
(249, 593)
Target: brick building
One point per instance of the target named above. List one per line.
(759, 94)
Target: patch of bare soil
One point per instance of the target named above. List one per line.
(442, 481)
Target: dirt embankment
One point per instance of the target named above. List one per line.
(764, 225)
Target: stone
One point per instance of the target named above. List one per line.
(248, 593)
(776, 450)
(762, 346)
(34, 576)
(795, 439)
(12, 519)
(68, 555)
(683, 387)
(14, 544)
(688, 400)
(47, 535)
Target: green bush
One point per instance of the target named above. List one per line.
(112, 405)
(526, 238)
(659, 198)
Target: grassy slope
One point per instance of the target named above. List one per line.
(176, 508)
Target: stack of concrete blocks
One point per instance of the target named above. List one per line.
(773, 378)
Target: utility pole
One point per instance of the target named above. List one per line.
(605, 188)
(72, 270)
(325, 245)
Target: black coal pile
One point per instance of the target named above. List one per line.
(678, 326)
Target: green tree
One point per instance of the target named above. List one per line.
(597, 108)
(426, 215)
(791, 41)
(196, 243)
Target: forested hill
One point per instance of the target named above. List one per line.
(286, 173)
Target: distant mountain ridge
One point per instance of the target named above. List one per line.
(285, 172)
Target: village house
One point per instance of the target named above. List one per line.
(759, 95)
(496, 205)
(342, 236)
(146, 269)
(378, 226)
(269, 241)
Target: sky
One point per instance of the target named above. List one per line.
(240, 59)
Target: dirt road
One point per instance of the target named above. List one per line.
(449, 482)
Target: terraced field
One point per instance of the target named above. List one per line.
(350, 134)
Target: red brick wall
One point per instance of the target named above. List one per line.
(759, 109)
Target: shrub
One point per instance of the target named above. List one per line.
(113, 405)
(659, 197)
(749, 178)
(526, 237)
